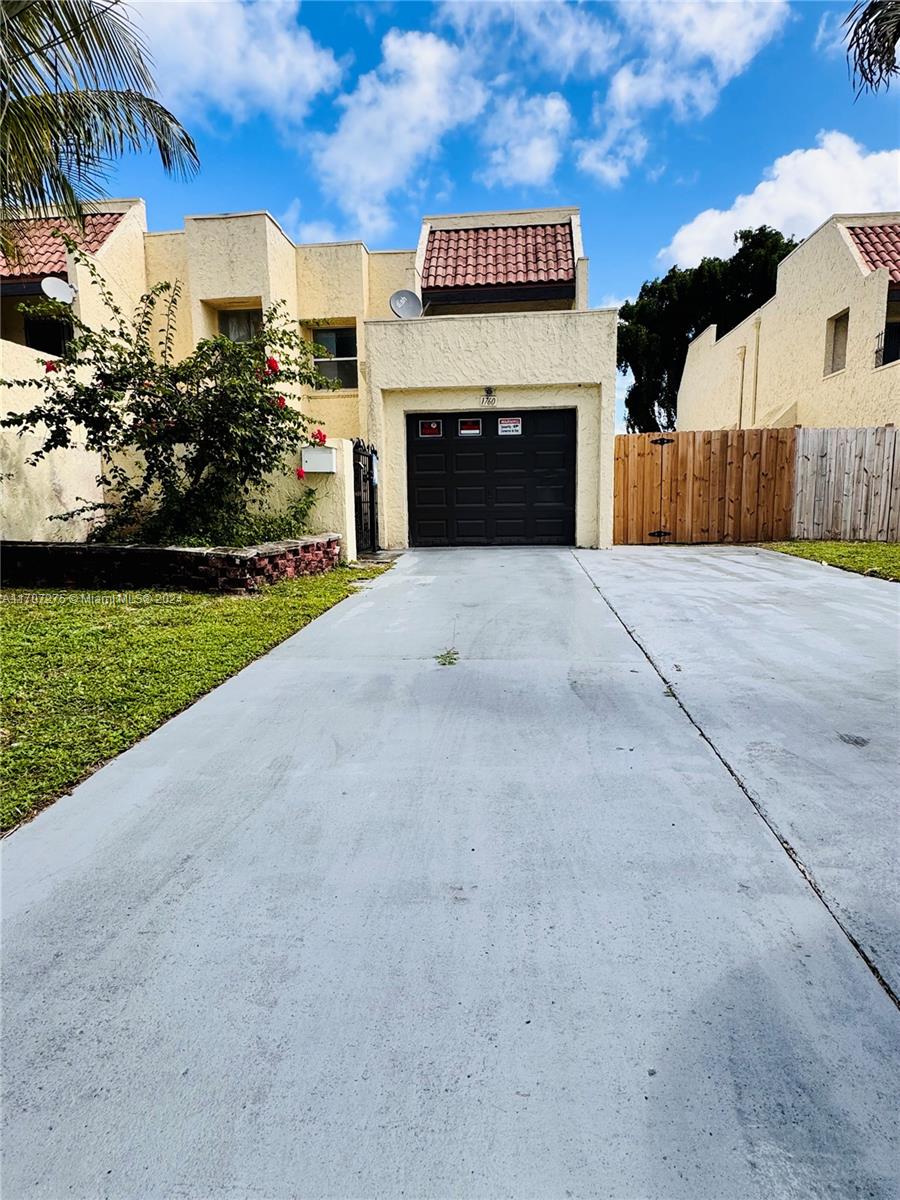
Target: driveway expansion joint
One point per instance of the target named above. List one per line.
(757, 806)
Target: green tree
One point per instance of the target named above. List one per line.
(656, 328)
(873, 30)
(188, 447)
(77, 93)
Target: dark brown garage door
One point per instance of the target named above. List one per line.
(491, 478)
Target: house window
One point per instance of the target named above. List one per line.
(47, 335)
(836, 334)
(890, 339)
(240, 324)
(341, 347)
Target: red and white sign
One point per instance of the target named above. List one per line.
(431, 429)
(509, 426)
(470, 427)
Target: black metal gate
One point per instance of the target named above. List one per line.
(365, 492)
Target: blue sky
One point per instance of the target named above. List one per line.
(670, 125)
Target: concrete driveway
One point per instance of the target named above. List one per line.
(359, 924)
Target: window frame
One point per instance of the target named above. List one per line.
(831, 328)
(224, 313)
(315, 331)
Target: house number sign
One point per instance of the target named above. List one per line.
(488, 400)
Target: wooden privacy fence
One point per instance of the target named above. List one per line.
(728, 485)
(847, 484)
(757, 485)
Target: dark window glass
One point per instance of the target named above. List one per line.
(341, 346)
(240, 324)
(341, 369)
(47, 335)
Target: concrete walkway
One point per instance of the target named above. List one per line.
(358, 924)
(792, 670)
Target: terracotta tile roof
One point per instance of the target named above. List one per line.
(509, 254)
(43, 254)
(879, 246)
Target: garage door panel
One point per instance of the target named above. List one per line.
(430, 463)
(468, 496)
(509, 489)
(510, 493)
(467, 462)
(511, 462)
(431, 497)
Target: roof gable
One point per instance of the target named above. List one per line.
(498, 255)
(879, 246)
(41, 253)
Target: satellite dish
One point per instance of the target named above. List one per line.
(58, 289)
(406, 305)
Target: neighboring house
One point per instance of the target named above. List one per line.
(492, 413)
(824, 351)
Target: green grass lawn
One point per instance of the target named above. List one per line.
(867, 558)
(84, 676)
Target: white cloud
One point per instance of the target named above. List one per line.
(800, 190)
(685, 54)
(525, 133)
(610, 158)
(830, 33)
(563, 38)
(235, 58)
(393, 123)
(291, 221)
(728, 34)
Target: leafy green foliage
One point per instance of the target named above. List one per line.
(656, 328)
(86, 675)
(881, 559)
(188, 447)
(78, 93)
(447, 658)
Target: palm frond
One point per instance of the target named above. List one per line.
(77, 94)
(874, 30)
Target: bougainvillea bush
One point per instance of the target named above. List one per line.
(189, 447)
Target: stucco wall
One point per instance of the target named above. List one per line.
(389, 272)
(165, 257)
(534, 360)
(120, 260)
(62, 481)
(334, 510)
(818, 280)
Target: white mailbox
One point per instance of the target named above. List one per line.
(319, 459)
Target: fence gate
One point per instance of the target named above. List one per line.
(731, 485)
(365, 494)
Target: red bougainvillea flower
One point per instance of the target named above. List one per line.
(320, 437)
(51, 366)
(281, 401)
(301, 474)
(272, 366)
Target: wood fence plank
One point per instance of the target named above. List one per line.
(700, 493)
(733, 451)
(879, 482)
(619, 486)
(652, 479)
(786, 464)
(767, 458)
(718, 456)
(834, 496)
(750, 485)
(819, 481)
(893, 521)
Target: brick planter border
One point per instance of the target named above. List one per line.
(175, 568)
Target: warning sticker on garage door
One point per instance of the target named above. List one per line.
(509, 426)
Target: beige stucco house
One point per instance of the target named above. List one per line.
(824, 351)
(491, 413)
